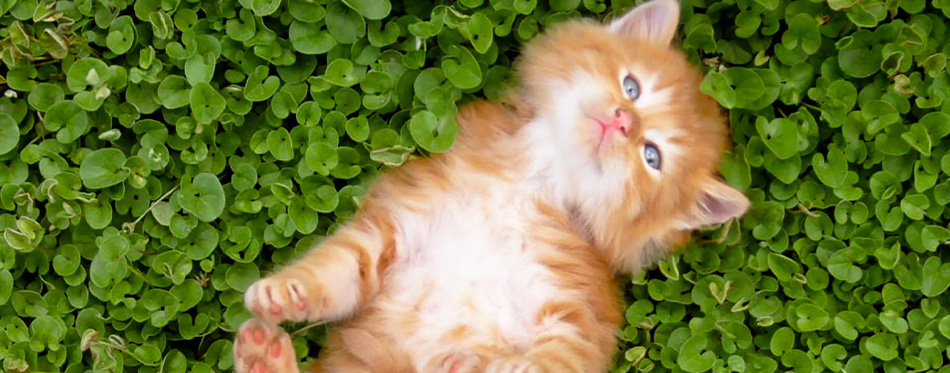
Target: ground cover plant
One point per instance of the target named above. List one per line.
(157, 156)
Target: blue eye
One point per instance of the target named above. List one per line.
(631, 87)
(651, 155)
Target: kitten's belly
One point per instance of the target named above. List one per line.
(467, 277)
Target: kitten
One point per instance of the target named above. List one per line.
(500, 255)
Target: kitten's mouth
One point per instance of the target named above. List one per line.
(608, 128)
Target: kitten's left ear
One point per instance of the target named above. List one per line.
(655, 20)
(718, 203)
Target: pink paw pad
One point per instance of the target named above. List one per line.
(262, 347)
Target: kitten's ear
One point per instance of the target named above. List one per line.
(655, 20)
(717, 204)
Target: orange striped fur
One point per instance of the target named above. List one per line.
(501, 255)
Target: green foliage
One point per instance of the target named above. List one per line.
(158, 156)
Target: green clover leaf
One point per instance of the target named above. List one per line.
(103, 168)
(204, 198)
(206, 103)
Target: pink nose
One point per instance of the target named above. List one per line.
(620, 121)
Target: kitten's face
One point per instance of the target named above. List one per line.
(625, 108)
(617, 102)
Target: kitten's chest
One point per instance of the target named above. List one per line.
(471, 260)
(463, 240)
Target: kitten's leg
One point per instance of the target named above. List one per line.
(456, 362)
(262, 347)
(568, 338)
(331, 280)
(514, 364)
(358, 346)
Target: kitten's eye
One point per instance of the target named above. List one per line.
(631, 87)
(651, 154)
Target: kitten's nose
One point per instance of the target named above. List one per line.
(621, 121)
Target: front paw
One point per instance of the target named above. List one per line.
(513, 364)
(279, 298)
(263, 348)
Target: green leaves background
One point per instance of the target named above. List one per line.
(158, 156)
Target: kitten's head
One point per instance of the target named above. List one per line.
(634, 146)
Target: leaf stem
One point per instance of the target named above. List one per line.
(150, 207)
(805, 211)
(309, 326)
(138, 273)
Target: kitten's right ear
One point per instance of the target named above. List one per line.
(718, 203)
(655, 20)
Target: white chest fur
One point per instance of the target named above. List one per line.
(467, 262)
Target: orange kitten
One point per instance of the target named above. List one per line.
(500, 255)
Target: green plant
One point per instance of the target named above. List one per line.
(154, 154)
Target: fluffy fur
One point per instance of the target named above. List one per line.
(501, 254)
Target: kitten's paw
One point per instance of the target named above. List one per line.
(513, 364)
(455, 362)
(277, 299)
(262, 347)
